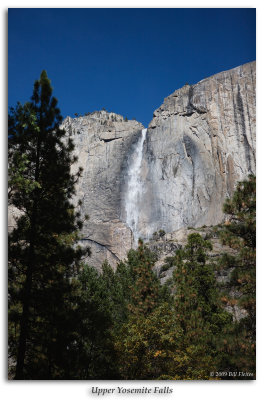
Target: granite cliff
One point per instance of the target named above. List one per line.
(103, 144)
(200, 142)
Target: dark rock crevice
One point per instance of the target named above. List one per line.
(101, 245)
(110, 139)
(247, 146)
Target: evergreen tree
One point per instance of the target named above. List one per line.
(239, 232)
(146, 289)
(137, 339)
(198, 310)
(147, 345)
(42, 255)
(94, 319)
(117, 287)
(178, 340)
(195, 284)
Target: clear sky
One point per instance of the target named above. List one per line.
(125, 60)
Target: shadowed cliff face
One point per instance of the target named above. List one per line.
(200, 142)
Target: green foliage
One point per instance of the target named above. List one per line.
(17, 180)
(241, 209)
(42, 258)
(146, 288)
(116, 289)
(169, 263)
(158, 235)
(239, 232)
(155, 236)
(95, 355)
(176, 339)
(146, 344)
(194, 280)
(198, 308)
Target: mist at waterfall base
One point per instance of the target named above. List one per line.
(135, 188)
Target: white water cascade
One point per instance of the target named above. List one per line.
(135, 187)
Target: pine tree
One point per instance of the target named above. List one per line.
(116, 287)
(198, 309)
(239, 232)
(94, 319)
(147, 345)
(137, 339)
(173, 339)
(42, 255)
(146, 288)
(194, 280)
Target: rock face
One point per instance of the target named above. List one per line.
(103, 143)
(200, 142)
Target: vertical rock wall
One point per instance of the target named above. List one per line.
(103, 142)
(201, 141)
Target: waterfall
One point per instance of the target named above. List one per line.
(135, 187)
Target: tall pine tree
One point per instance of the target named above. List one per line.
(144, 301)
(42, 255)
(239, 232)
(146, 287)
(198, 310)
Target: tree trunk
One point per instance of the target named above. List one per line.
(24, 328)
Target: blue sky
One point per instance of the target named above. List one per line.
(125, 60)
